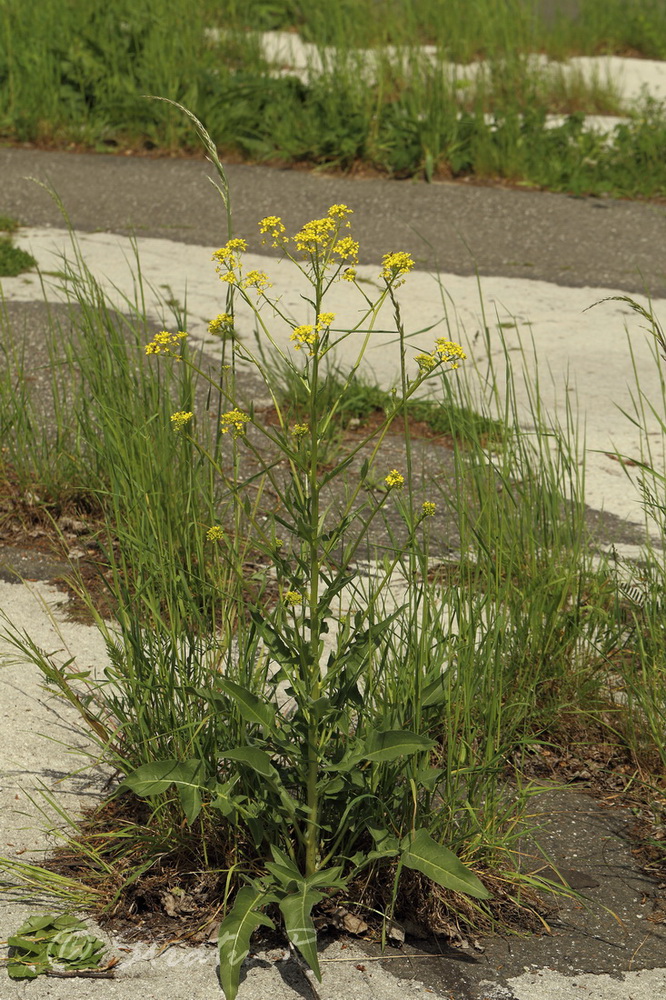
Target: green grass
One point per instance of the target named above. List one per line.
(8, 224)
(77, 73)
(358, 399)
(13, 261)
(468, 31)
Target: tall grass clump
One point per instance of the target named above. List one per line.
(641, 674)
(97, 441)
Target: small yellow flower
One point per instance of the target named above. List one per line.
(164, 343)
(428, 508)
(349, 274)
(395, 480)
(180, 418)
(222, 325)
(450, 352)
(215, 534)
(278, 543)
(234, 421)
(304, 336)
(292, 598)
(394, 265)
(300, 430)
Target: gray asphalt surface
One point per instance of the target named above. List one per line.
(456, 228)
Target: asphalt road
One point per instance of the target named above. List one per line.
(455, 227)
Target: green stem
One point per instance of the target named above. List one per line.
(313, 685)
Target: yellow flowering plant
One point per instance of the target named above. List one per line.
(327, 789)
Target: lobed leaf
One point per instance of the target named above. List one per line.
(235, 933)
(296, 909)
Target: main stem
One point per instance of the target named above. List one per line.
(313, 686)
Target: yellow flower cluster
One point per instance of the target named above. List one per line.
(450, 352)
(229, 255)
(318, 234)
(428, 508)
(222, 325)
(299, 430)
(315, 235)
(180, 418)
(256, 279)
(273, 226)
(304, 335)
(339, 212)
(347, 249)
(394, 265)
(308, 335)
(426, 362)
(395, 480)
(445, 351)
(292, 598)
(228, 266)
(164, 343)
(234, 421)
(215, 534)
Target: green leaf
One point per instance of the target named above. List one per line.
(159, 776)
(45, 939)
(296, 909)
(257, 759)
(434, 693)
(327, 877)
(440, 864)
(251, 708)
(274, 641)
(429, 777)
(17, 970)
(224, 800)
(393, 743)
(361, 643)
(235, 933)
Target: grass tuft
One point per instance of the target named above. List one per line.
(13, 260)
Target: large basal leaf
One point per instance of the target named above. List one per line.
(235, 933)
(157, 777)
(296, 909)
(152, 779)
(393, 743)
(251, 708)
(440, 864)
